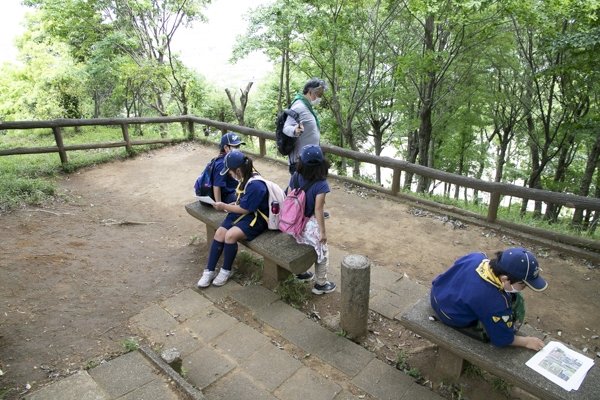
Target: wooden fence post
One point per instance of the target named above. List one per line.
(493, 207)
(263, 146)
(191, 130)
(125, 130)
(396, 181)
(59, 143)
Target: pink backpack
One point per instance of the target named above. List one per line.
(292, 219)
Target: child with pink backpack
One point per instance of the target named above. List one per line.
(311, 174)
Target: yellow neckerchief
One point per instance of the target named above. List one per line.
(239, 193)
(485, 272)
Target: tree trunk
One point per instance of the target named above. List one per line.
(280, 89)
(426, 127)
(586, 180)
(239, 111)
(412, 151)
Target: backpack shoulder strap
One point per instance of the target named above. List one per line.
(212, 167)
(305, 187)
(291, 113)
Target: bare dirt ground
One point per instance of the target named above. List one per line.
(74, 271)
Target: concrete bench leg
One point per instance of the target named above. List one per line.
(448, 365)
(210, 235)
(273, 274)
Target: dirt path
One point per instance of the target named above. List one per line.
(73, 272)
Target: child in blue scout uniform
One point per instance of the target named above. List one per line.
(224, 185)
(241, 222)
(483, 296)
(312, 166)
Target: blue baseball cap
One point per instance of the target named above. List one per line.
(312, 155)
(231, 139)
(233, 159)
(523, 265)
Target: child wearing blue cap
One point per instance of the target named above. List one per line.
(313, 167)
(224, 185)
(482, 297)
(241, 221)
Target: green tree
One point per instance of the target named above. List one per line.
(272, 29)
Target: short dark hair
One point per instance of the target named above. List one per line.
(313, 173)
(499, 271)
(314, 83)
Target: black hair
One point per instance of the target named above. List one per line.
(499, 271)
(247, 171)
(313, 173)
(314, 83)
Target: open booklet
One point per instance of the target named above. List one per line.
(563, 366)
(205, 199)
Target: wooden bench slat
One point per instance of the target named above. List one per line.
(507, 363)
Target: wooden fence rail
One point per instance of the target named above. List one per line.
(495, 189)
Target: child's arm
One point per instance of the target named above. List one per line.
(230, 208)
(217, 193)
(319, 215)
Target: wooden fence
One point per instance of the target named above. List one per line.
(495, 189)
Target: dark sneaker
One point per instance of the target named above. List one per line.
(328, 287)
(305, 277)
(325, 214)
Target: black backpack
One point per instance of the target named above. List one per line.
(285, 144)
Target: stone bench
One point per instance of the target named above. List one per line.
(282, 254)
(507, 363)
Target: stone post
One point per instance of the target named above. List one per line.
(354, 307)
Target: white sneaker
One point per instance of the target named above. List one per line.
(222, 278)
(207, 277)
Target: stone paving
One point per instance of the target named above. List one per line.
(224, 358)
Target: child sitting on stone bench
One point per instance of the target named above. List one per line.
(482, 298)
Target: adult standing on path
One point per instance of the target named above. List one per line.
(307, 131)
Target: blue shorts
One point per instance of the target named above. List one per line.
(251, 232)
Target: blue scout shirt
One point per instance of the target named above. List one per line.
(461, 297)
(317, 188)
(255, 197)
(225, 182)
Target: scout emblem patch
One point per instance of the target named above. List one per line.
(505, 318)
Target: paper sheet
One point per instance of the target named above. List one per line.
(563, 366)
(205, 199)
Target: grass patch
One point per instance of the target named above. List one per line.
(401, 360)
(473, 371)
(5, 393)
(452, 391)
(293, 292)
(250, 268)
(341, 333)
(500, 385)
(29, 179)
(130, 344)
